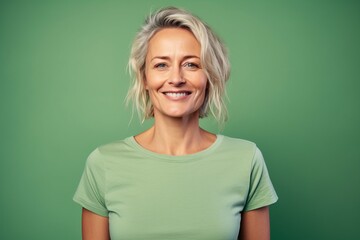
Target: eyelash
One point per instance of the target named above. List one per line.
(192, 65)
(159, 65)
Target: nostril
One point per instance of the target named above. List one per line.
(177, 83)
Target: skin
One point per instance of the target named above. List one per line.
(94, 227)
(176, 84)
(255, 225)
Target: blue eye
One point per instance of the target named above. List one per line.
(191, 65)
(160, 65)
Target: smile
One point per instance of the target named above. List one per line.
(177, 94)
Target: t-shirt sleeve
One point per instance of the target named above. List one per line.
(91, 189)
(261, 191)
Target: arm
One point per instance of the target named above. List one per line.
(255, 225)
(94, 227)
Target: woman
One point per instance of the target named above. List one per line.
(176, 180)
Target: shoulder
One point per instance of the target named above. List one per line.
(247, 151)
(238, 141)
(103, 152)
(115, 147)
(239, 146)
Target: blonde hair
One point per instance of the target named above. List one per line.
(214, 60)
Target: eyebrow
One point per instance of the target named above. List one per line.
(168, 58)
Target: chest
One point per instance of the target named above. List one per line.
(163, 201)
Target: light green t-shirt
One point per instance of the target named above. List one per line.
(150, 196)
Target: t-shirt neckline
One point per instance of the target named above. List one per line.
(180, 158)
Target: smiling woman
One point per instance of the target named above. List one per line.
(176, 180)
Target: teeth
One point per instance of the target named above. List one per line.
(175, 95)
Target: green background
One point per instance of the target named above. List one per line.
(294, 90)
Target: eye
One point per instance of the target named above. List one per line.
(191, 65)
(160, 66)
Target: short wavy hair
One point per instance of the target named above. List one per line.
(214, 59)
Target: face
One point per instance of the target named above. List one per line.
(175, 80)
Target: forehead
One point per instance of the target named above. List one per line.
(169, 41)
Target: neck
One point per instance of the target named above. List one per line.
(176, 136)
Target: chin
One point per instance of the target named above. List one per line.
(182, 114)
(177, 114)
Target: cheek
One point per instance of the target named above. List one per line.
(203, 85)
(148, 82)
(153, 81)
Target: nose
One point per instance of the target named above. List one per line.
(176, 77)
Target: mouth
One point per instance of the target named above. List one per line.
(177, 94)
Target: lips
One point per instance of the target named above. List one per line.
(177, 94)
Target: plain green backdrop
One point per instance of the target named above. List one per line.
(294, 90)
